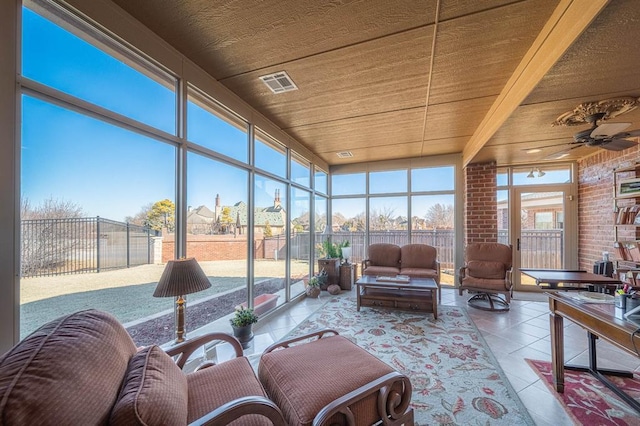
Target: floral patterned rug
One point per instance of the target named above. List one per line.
(588, 401)
(455, 377)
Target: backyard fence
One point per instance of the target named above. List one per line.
(78, 245)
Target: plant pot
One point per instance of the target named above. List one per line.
(313, 291)
(244, 334)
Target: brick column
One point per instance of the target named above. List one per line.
(480, 204)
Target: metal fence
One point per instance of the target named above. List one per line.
(78, 245)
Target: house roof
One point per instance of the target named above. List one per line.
(388, 79)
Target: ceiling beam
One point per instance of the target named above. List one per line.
(568, 21)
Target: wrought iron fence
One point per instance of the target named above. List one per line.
(78, 245)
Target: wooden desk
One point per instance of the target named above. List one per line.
(600, 322)
(553, 277)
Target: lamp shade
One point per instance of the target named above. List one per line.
(180, 277)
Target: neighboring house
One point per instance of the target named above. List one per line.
(539, 211)
(233, 219)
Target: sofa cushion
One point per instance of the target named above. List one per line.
(233, 379)
(154, 391)
(381, 270)
(484, 284)
(383, 254)
(68, 372)
(420, 273)
(418, 256)
(486, 269)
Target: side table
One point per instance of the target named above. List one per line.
(347, 272)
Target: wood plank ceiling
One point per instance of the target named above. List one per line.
(411, 78)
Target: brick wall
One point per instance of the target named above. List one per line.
(480, 204)
(209, 247)
(595, 206)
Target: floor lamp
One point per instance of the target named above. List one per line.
(181, 277)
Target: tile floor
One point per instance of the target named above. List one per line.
(521, 333)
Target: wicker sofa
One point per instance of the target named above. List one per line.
(414, 260)
(84, 369)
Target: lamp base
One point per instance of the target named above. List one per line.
(181, 305)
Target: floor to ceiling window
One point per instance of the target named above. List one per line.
(117, 178)
(398, 206)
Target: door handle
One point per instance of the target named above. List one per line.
(518, 244)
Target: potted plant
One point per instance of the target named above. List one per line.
(329, 262)
(242, 324)
(313, 287)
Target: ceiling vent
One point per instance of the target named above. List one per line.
(279, 82)
(345, 154)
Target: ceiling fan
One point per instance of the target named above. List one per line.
(610, 136)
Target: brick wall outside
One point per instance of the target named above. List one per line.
(211, 247)
(480, 204)
(595, 205)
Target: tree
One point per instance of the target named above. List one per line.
(162, 215)
(140, 218)
(226, 220)
(48, 235)
(440, 216)
(267, 229)
(381, 220)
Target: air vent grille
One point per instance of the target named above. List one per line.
(345, 154)
(279, 82)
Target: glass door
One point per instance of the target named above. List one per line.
(544, 231)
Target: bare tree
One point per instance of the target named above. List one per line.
(382, 220)
(48, 234)
(440, 216)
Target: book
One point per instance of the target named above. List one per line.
(394, 279)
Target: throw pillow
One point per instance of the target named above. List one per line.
(154, 391)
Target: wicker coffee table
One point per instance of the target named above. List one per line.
(418, 294)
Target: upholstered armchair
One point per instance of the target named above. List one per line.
(487, 272)
(84, 369)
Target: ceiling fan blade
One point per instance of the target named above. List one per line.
(631, 134)
(607, 130)
(618, 144)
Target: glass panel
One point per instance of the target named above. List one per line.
(502, 177)
(270, 237)
(503, 216)
(433, 179)
(349, 223)
(53, 56)
(432, 223)
(300, 171)
(300, 239)
(388, 222)
(540, 248)
(270, 155)
(537, 176)
(89, 198)
(217, 234)
(353, 183)
(386, 182)
(212, 127)
(320, 181)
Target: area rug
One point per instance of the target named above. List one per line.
(588, 401)
(455, 377)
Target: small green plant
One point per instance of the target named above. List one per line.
(329, 250)
(314, 281)
(243, 317)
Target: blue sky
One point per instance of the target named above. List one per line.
(106, 170)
